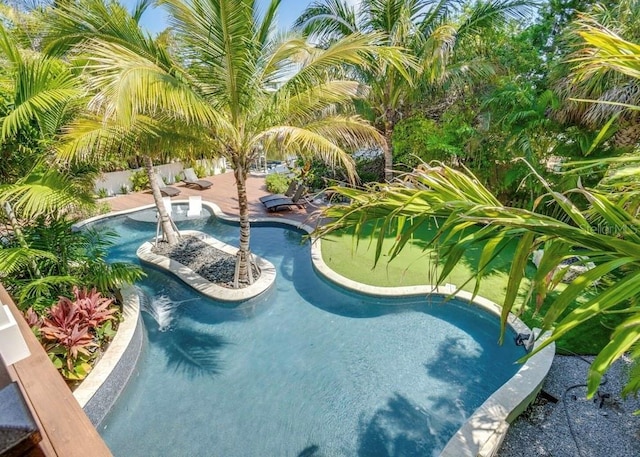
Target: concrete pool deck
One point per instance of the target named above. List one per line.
(484, 431)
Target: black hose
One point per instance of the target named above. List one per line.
(566, 409)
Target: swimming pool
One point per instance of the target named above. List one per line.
(306, 369)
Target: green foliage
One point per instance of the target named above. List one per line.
(73, 329)
(63, 258)
(102, 193)
(200, 170)
(277, 183)
(417, 140)
(139, 180)
(370, 170)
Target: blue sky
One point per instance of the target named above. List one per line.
(155, 20)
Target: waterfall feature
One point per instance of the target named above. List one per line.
(161, 308)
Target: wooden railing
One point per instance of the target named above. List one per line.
(66, 431)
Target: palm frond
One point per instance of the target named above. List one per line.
(44, 193)
(15, 259)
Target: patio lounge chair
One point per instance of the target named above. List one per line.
(293, 185)
(282, 203)
(191, 179)
(167, 191)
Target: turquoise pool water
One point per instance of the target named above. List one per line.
(307, 369)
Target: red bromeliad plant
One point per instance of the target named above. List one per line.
(72, 330)
(95, 308)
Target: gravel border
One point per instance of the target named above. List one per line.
(603, 427)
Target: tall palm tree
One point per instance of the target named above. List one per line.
(247, 88)
(429, 31)
(41, 94)
(614, 89)
(106, 128)
(587, 224)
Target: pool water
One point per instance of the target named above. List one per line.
(306, 369)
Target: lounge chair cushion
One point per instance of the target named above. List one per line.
(191, 179)
(167, 191)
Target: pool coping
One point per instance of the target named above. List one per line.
(95, 394)
(483, 432)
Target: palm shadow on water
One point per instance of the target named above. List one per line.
(400, 429)
(189, 352)
(451, 365)
(310, 451)
(404, 428)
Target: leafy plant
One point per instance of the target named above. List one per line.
(102, 193)
(73, 329)
(124, 189)
(200, 170)
(139, 181)
(277, 183)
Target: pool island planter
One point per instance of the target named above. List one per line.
(191, 278)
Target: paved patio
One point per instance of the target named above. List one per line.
(223, 193)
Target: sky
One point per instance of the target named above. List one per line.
(155, 20)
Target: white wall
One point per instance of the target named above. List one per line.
(171, 173)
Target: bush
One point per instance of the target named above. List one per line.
(200, 170)
(417, 139)
(277, 183)
(139, 181)
(370, 169)
(73, 329)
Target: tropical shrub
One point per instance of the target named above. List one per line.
(200, 170)
(73, 330)
(55, 257)
(277, 183)
(418, 139)
(139, 181)
(370, 169)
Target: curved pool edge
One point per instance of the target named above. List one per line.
(483, 432)
(195, 281)
(101, 388)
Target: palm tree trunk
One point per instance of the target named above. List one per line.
(243, 268)
(168, 232)
(388, 151)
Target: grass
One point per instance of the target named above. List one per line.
(416, 264)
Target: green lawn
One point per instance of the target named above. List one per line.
(416, 265)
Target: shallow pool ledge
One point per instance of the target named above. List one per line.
(194, 280)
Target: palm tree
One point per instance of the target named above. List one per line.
(248, 89)
(614, 89)
(41, 95)
(588, 224)
(429, 31)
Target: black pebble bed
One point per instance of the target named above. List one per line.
(211, 263)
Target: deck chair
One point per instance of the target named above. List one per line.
(191, 179)
(195, 206)
(282, 203)
(167, 191)
(293, 185)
